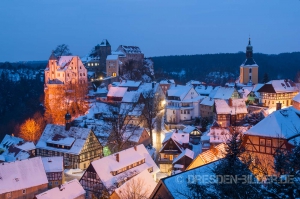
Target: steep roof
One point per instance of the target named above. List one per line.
(144, 179)
(68, 190)
(53, 164)
(238, 106)
(179, 91)
(208, 101)
(222, 107)
(104, 43)
(222, 93)
(131, 97)
(283, 123)
(75, 137)
(187, 152)
(129, 49)
(209, 156)
(23, 174)
(279, 86)
(106, 165)
(249, 62)
(117, 91)
(204, 90)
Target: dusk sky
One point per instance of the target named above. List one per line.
(31, 29)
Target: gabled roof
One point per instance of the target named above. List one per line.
(283, 123)
(222, 93)
(53, 164)
(211, 155)
(167, 81)
(187, 152)
(179, 137)
(143, 180)
(23, 174)
(68, 190)
(279, 86)
(64, 60)
(104, 43)
(117, 91)
(222, 107)
(106, 165)
(130, 83)
(129, 49)
(179, 91)
(57, 132)
(297, 98)
(133, 133)
(131, 97)
(208, 101)
(178, 181)
(204, 90)
(238, 106)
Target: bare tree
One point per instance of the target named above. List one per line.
(153, 105)
(135, 188)
(62, 50)
(119, 125)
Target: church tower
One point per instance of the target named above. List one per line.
(249, 69)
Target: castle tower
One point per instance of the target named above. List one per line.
(249, 69)
(105, 50)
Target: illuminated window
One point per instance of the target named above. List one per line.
(114, 74)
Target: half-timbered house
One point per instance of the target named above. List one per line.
(172, 146)
(54, 169)
(22, 179)
(78, 146)
(103, 176)
(278, 130)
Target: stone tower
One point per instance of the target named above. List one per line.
(105, 50)
(249, 69)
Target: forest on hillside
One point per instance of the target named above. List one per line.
(220, 68)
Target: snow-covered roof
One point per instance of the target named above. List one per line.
(297, 98)
(26, 146)
(64, 60)
(131, 96)
(187, 152)
(209, 156)
(15, 148)
(283, 123)
(131, 109)
(189, 129)
(222, 93)
(112, 57)
(130, 83)
(238, 106)
(58, 132)
(219, 135)
(222, 107)
(53, 164)
(207, 101)
(68, 190)
(249, 62)
(143, 180)
(204, 90)
(106, 165)
(192, 82)
(117, 91)
(173, 184)
(179, 91)
(129, 49)
(23, 174)
(133, 133)
(279, 86)
(179, 137)
(167, 81)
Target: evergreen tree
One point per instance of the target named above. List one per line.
(266, 78)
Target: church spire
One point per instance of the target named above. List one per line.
(249, 50)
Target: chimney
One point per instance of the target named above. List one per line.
(117, 157)
(230, 102)
(278, 106)
(135, 148)
(153, 84)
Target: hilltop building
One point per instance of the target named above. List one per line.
(249, 68)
